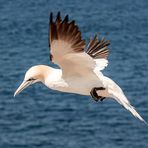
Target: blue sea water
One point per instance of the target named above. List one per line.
(43, 118)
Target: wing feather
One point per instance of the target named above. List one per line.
(67, 49)
(64, 38)
(98, 48)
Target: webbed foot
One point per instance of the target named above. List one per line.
(94, 94)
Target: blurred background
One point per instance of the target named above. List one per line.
(43, 118)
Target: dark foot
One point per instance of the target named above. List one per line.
(102, 98)
(94, 94)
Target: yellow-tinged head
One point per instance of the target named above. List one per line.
(33, 75)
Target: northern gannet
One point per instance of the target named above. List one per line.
(80, 65)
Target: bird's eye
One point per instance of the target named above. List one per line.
(31, 79)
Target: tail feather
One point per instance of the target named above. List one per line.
(121, 99)
(116, 92)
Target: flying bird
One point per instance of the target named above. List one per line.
(80, 65)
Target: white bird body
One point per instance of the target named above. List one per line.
(53, 79)
(79, 83)
(83, 85)
(80, 71)
(75, 84)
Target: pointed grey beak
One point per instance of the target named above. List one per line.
(22, 87)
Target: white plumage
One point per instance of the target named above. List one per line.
(80, 70)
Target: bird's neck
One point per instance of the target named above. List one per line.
(51, 77)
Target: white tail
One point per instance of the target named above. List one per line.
(116, 92)
(120, 98)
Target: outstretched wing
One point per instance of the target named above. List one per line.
(65, 38)
(67, 48)
(98, 48)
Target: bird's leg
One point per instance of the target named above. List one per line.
(94, 94)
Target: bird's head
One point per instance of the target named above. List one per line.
(33, 75)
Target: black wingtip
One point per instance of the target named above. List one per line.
(58, 19)
(51, 17)
(58, 14)
(66, 18)
(107, 43)
(95, 37)
(72, 22)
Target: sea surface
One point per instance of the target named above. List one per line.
(43, 118)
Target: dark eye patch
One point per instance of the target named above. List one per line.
(31, 79)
